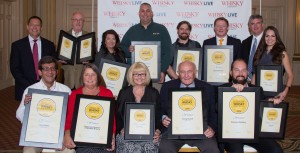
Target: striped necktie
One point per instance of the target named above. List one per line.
(250, 61)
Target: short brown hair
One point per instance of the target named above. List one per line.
(100, 80)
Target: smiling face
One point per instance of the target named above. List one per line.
(139, 78)
(221, 28)
(110, 41)
(89, 78)
(145, 14)
(48, 73)
(187, 72)
(256, 26)
(184, 32)
(77, 22)
(239, 72)
(270, 38)
(34, 28)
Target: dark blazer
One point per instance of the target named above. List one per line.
(208, 99)
(230, 41)
(22, 65)
(151, 95)
(101, 54)
(246, 47)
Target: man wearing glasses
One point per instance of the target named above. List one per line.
(47, 70)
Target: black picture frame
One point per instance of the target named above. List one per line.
(155, 70)
(43, 121)
(218, 69)
(132, 106)
(61, 49)
(278, 80)
(91, 45)
(109, 82)
(188, 50)
(87, 100)
(237, 119)
(183, 92)
(284, 106)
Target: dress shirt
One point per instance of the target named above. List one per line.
(31, 42)
(39, 85)
(258, 38)
(224, 42)
(192, 85)
(78, 34)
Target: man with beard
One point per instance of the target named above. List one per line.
(239, 75)
(184, 29)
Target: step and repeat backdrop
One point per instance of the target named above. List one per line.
(120, 15)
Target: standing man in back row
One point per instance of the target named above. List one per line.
(249, 45)
(72, 72)
(147, 30)
(25, 55)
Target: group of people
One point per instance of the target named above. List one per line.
(264, 46)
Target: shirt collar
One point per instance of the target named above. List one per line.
(79, 33)
(258, 37)
(46, 88)
(192, 85)
(31, 39)
(224, 39)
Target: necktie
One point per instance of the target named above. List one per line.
(250, 61)
(221, 41)
(35, 54)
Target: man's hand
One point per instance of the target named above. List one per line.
(68, 142)
(131, 48)
(27, 99)
(238, 87)
(209, 132)
(166, 121)
(112, 144)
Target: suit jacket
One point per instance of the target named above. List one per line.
(246, 47)
(230, 41)
(22, 65)
(151, 95)
(208, 100)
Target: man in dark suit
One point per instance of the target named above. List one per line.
(239, 74)
(187, 78)
(250, 44)
(221, 26)
(23, 59)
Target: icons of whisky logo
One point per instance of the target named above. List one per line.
(272, 114)
(113, 74)
(146, 53)
(94, 111)
(269, 75)
(187, 102)
(67, 43)
(218, 57)
(140, 116)
(86, 43)
(239, 104)
(46, 107)
(188, 57)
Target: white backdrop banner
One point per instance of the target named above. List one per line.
(120, 15)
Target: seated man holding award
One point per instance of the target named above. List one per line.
(239, 75)
(206, 141)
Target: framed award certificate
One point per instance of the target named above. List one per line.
(66, 47)
(270, 78)
(114, 75)
(139, 121)
(44, 119)
(194, 55)
(188, 118)
(274, 119)
(238, 114)
(148, 52)
(92, 122)
(217, 61)
(86, 47)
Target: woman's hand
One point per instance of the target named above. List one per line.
(156, 136)
(27, 99)
(68, 141)
(113, 142)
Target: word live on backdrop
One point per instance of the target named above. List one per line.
(120, 15)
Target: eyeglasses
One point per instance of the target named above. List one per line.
(47, 69)
(139, 74)
(77, 20)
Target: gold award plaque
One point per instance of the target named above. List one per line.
(86, 43)
(218, 57)
(139, 116)
(113, 74)
(269, 75)
(239, 104)
(187, 102)
(94, 111)
(67, 43)
(188, 57)
(146, 53)
(46, 107)
(272, 114)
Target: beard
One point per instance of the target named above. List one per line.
(236, 81)
(184, 37)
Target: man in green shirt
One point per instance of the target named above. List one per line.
(147, 30)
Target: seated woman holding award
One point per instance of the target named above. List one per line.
(92, 84)
(139, 91)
